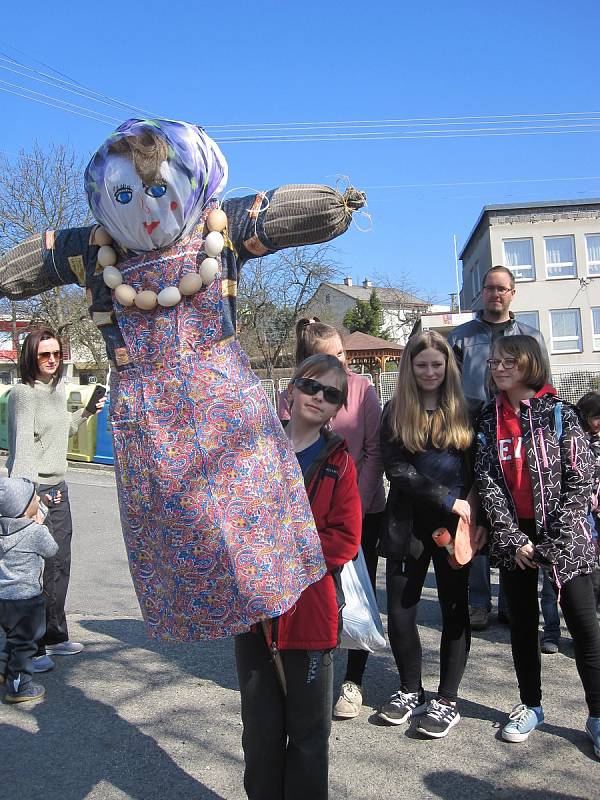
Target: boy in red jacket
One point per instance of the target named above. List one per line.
(285, 669)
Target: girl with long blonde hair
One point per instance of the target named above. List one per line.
(426, 441)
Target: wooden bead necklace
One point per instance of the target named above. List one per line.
(190, 284)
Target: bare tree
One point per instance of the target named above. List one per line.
(272, 292)
(44, 189)
(403, 304)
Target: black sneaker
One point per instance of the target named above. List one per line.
(439, 718)
(403, 705)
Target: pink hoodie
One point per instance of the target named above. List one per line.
(359, 425)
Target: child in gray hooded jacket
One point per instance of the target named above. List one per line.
(24, 543)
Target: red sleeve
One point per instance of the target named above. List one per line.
(340, 535)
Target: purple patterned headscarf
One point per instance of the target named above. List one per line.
(142, 218)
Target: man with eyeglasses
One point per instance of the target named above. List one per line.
(472, 344)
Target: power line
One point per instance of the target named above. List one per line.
(401, 121)
(538, 131)
(481, 183)
(58, 100)
(67, 85)
(553, 123)
(93, 116)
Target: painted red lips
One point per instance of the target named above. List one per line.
(150, 226)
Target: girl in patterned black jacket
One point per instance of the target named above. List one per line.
(589, 409)
(534, 472)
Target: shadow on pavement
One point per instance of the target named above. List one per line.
(451, 784)
(202, 659)
(72, 752)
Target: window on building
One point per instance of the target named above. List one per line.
(327, 299)
(518, 257)
(592, 244)
(531, 318)
(560, 256)
(6, 340)
(596, 327)
(475, 287)
(565, 330)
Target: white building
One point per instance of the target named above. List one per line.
(331, 302)
(553, 250)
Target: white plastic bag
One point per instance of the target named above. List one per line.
(362, 628)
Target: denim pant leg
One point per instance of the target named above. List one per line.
(480, 590)
(23, 621)
(549, 611)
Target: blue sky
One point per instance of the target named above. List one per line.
(271, 62)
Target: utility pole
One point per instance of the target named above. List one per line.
(456, 268)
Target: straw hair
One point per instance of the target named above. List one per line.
(147, 150)
(448, 426)
(310, 333)
(319, 364)
(530, 360)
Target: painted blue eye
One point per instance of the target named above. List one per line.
(156, 191)
(123, 195)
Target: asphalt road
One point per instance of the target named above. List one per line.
(130, 718)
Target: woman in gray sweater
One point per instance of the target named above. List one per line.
(39, 427)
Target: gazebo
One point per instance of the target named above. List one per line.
(371, 352)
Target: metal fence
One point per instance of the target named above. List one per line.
(573, 382)
(570, 382)
(387, 386)
(269, 388)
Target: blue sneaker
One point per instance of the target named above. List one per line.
(42, 663)
(23, 693)
(522, 720)
(592, 728)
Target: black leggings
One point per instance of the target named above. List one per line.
(357, 659)
(405, 581)
(57, 568)
(578, 605)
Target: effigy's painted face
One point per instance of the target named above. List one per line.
(143, 217)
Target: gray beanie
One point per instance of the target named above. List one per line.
(15, 496)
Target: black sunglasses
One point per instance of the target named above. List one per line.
(311, 387)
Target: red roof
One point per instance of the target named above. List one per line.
(357, 342)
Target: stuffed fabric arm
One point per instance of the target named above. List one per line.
(51, 258)
(290, 216)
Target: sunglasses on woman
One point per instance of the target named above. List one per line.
(311, 387)
(55, 354)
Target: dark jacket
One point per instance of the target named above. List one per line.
(472, 345)
(560, 466)
(410, 491)
(313, 623)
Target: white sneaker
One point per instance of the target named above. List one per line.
(64, 649)
(349, 702)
